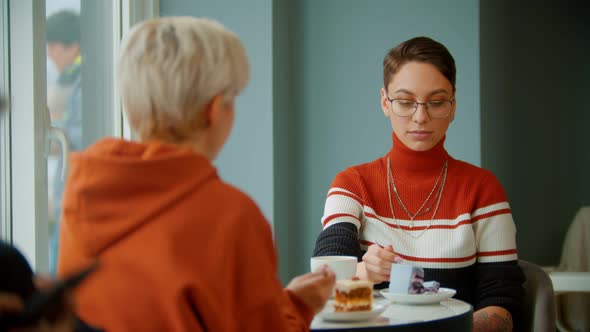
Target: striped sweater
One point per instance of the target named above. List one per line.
(468, 245)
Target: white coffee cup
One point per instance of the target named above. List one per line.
(343, 266)
(402, 277)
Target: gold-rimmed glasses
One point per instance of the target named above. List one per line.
(438, 108)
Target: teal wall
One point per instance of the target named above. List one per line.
(535, 136)
(288, 233)
(312, 107)
(247, 159)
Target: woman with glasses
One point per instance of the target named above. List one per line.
(418, 205)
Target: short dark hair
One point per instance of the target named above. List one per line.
(63, 27)
(420, 49)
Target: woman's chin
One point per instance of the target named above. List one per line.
(420, 146)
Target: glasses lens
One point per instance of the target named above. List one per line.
(403, 107)
(439, 108)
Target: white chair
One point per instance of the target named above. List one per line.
(571, 280)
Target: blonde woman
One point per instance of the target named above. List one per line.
(180, 249)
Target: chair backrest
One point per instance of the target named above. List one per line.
(539, 302)
(573, 299)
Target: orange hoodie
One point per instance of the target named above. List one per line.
(180, 250)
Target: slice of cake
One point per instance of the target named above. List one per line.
(353, 295)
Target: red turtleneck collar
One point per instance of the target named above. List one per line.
(406, 159)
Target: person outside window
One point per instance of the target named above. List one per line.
(64, 99)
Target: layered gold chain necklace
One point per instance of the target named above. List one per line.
(438, 196)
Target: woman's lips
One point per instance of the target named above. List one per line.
(420, 135)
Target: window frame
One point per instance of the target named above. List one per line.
(5, 205)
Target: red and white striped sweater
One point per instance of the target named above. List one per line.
(469, 246)
(473, 221)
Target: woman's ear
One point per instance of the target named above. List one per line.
(212, 111)
(453, 110)
(385, 103)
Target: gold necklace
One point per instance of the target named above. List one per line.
(391, 183)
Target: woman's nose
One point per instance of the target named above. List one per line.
(421, 115)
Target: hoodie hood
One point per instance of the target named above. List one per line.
(116, 186)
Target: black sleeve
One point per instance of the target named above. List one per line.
(338, 239)
(500, 284)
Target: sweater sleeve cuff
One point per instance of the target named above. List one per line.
(301, 307)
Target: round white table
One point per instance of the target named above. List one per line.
(448, 315)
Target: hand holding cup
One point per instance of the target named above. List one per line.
(314, 288)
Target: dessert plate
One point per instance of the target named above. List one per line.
(328, 314)
(427, 298)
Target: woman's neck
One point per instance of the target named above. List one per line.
(404, 159)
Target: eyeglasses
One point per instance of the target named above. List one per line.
(437, 109)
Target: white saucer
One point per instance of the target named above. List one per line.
(328, 314)
(427, 298)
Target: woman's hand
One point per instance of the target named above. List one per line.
(314, 288)
(376, 264)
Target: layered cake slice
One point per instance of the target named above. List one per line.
(353, 295)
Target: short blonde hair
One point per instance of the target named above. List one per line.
(171, 67)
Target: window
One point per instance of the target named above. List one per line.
(62, 100)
